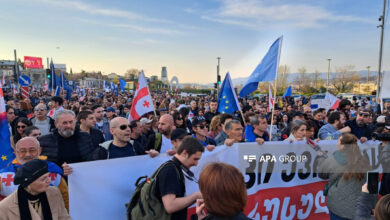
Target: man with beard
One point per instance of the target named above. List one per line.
(334, 128)
(67, 144)
(161, 141)
(213, 111)
(359, 125)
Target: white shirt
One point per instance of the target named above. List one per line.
(166, 144)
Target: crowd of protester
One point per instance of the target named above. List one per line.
(96, 127)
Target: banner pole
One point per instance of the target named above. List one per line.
(243, 119)
(273, 108)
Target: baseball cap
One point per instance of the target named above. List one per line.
(145, 121)
(110, 109)
(178, 133)
(198, 120)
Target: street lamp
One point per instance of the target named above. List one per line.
(327, 81)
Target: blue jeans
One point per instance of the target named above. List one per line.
(335, 217)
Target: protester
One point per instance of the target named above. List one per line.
(221, 137)
(346, 170)
(101, 122)
(34, 198)
(32, 131)
(86, 123)
(41, 120)
(138, 140)
(57, 103)
(224, 193)
(359, 126)
(177, 137)
(10, 118)
(161, 141)
(200, 130)
(366, 203)
(259, 131)
(213, 111)
(170, 180)
(27, 149)
(21, 124)
(215, 127)
(298, 131)
(233, 130)
(334, 128)
(67, 144)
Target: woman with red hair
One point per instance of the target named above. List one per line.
(224, 193)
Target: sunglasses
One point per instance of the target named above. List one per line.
(201, 126)
(23, 126)
(40, 109)
(364, 115)
(124, 127)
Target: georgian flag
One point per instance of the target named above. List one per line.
(2, 81)
(333, 100)
(142, 102)
(45, 87)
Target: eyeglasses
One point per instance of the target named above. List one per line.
(22, 126)
(364, 115)
(40, 109)
(24, 151)
(124, 127)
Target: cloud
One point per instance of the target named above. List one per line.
(90, 9)
(135, 28)
(257, 15)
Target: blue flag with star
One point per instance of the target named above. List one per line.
(227, 98)
(6, 152)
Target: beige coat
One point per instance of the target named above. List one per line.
(9, 208)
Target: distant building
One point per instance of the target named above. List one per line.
(60, 67)
(7, 68)
(164, 74)
(364, 88)
(153, 78)
(112, 76)
(91, 83)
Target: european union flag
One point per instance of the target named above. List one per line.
(6, 152)
(227, 99)
(122, 84)
(287, 93)
(266, 70)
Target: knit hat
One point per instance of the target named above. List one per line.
(30, 171)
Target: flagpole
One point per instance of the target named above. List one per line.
(273, 108)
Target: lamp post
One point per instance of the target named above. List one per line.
(327, 81)
(368, 74)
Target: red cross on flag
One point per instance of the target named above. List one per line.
(142, 102)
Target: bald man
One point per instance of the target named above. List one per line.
(27, 149)
(161, 141)
(121, 146)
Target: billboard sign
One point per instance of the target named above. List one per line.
(33, 62)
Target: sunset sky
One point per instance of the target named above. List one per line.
(187, 36)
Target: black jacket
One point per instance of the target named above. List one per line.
(359, 131)
(49, 144)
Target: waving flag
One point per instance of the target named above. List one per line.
(142, 102)
(270, 99)
(333, 100)
(266, 70)
(62, 80)
(58, 91)
(52, 84)
(227, 98)
(114, 88)
(2, 83)
(6, 152)
(122, 84)
(106, 86)
(14, 89)
(45, 87)
(288, 92)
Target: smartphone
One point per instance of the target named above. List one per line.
(373, 182)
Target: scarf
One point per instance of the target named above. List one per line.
(24, 197)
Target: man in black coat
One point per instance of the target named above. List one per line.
(359, 125)
(86, 122)
(67, 144)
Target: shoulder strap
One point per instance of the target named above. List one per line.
(158, 142)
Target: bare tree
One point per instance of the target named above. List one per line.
(131, 74)
(282, 78)
(344, 79)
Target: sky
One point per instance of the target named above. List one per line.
(187, 36)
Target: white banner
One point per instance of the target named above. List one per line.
(100, 189)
